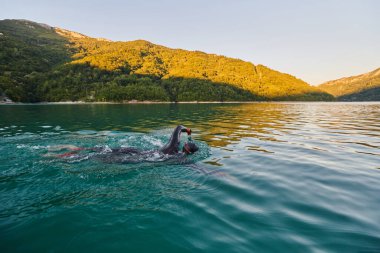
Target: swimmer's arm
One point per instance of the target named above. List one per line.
(177, 132)
(172, 146)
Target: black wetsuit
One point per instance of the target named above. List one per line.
(172, 147)
(132, 155)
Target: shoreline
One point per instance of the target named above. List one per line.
(180, 102)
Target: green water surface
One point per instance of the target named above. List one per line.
(269, 177)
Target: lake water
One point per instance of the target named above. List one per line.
(269, 177)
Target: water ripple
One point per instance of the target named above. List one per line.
(299, 177)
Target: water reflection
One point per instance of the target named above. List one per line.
(302, 176)
(217, 124)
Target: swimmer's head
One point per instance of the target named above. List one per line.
(190, 148)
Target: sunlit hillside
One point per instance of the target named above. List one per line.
(365, 87)
(41, 63)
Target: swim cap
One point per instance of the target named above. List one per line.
(190, 147)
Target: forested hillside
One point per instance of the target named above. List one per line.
(365, 87)
(42, 63)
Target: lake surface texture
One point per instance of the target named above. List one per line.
(269, 177)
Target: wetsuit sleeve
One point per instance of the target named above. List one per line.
(126, 150)
(172, 147)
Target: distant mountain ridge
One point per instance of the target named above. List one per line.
(43, 63)
(364, 87)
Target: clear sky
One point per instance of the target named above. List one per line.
(315, 40)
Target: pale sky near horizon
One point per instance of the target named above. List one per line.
(315, 40)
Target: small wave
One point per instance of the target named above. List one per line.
(38, 147)
(49, 133)
(35, 147)
(77, 158)
(153, 140)
(86, 132)
(106, 149)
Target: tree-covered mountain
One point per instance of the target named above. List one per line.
(42, 63)
(365, 87)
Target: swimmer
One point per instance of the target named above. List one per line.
(170, 153)
(172, 147)
(132, 155)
